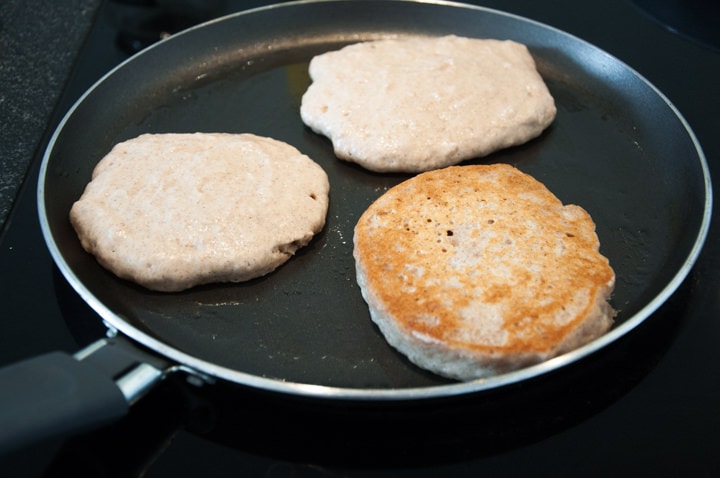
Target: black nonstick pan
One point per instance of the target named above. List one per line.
(618, 148)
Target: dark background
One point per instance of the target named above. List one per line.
(649, 406)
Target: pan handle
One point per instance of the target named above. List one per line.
(58, 395)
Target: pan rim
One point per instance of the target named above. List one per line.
(204, 368)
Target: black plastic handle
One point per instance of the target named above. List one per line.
(54, 395)
(58, 395)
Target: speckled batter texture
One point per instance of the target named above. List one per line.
(421, 103)
(472, 271)
(171, 211)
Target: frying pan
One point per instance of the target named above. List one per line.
(618, 148)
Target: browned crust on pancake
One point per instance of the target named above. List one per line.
(476, 270)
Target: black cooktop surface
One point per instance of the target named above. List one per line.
(646, 405)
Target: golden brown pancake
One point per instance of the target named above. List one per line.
(472, 271)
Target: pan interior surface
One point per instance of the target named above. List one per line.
(617, 148)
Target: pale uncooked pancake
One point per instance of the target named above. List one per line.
(419, 103)
(472, 271)
(171, 211)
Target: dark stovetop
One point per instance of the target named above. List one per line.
(654, 411)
